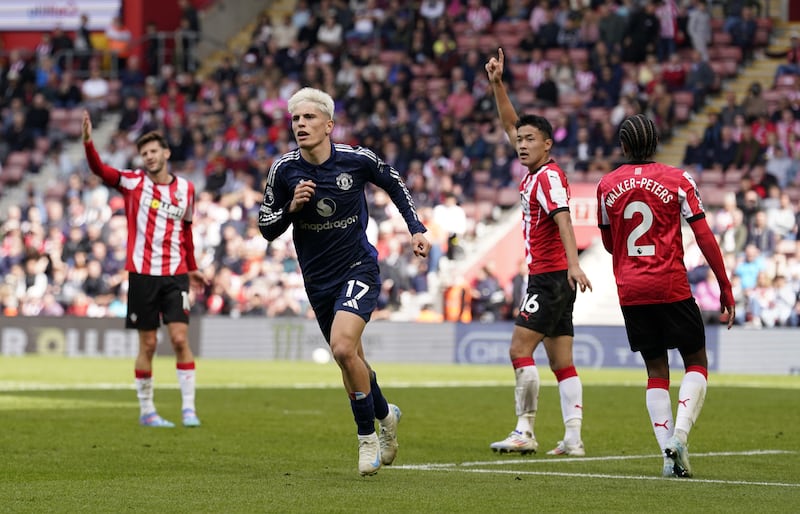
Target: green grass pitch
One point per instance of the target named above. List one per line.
(279, 437)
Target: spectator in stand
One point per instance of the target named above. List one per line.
(701, 80)
(431, 10)
(61, 43)
(730, 110)
(37, 118)
(154, 48)
(478, 17)
(641, 34)
(694, 156)
(782, 220)
(754, 105)
(666, 12)
(94, 92)
(17, 137)
(547, 35)
(761, 236)
(189, 12)
(611, 25)
(488, 298)
(707, 294)
(748, 152)
(762, 128)
(119, 40)
(83, 44)
(781, 166)
(750, 266)
(743, 33)
(673, 73)
(792, 64)
(699, 28)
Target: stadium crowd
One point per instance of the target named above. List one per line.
(410, 83)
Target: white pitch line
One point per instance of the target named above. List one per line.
(613, 457)
(619, 477)
(469, 467)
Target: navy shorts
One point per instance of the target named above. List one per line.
(152, 299)
(547, 305)
(357, 292)
(655, 328)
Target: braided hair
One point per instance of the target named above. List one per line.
(639, 137)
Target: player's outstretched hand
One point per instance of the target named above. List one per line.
(302, 195)
(494, 67)
(86, 128)
(420, 244)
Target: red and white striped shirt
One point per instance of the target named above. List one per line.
(642, 205)
(544, 193)
(158, 215)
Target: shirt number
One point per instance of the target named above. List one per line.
(529, 304)
(636, 250)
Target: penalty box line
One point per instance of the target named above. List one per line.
(478, 467)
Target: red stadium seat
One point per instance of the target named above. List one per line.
(485, 193)
(508, 197)
(12, 174)
(720, 37)
(710, 178)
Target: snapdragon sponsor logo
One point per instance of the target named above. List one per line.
(329, 225)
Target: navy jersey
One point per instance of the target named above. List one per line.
(330, 230)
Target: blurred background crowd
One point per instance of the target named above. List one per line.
(409, 82)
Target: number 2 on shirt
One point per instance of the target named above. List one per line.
(635, 250)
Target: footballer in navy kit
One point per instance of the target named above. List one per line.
(319, 190)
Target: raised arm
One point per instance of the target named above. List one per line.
(109, 175)
(508, 116)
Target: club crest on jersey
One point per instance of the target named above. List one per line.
(344, 181)
(269, 196)
(326, 207)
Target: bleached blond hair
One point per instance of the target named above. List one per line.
(320, 98)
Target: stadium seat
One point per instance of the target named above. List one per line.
(578, 55)
(553, 55)
(485, 192)
(22, 159)
(525, 97)
(509, 41)
(481, 177)
(713, 196)
(720, 37)
(520, 72)
(598, 114)
(74, 124)
(114, 93)
(487, 43)
(508, 197)
(710, 178)
(729, 52)
(762, 37)
(12, 174)
(732, 177)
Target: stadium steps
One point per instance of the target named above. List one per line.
(762, 70)
(238, 42)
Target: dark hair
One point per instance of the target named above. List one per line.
(151, 136)
(639, 137)
(539, 122)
